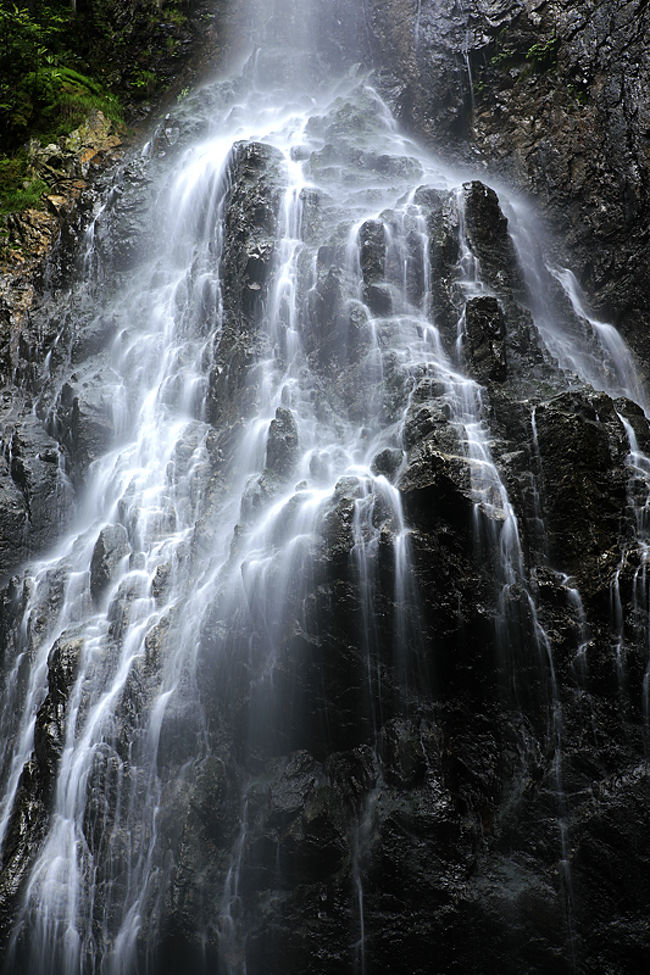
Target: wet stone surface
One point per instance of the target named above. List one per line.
(374, 696)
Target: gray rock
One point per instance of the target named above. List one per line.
(282, 443)
(110, 549)
(486, 331)
(256, 177)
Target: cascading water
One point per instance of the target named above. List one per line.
(281, 340)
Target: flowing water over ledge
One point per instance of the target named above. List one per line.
(302, 304)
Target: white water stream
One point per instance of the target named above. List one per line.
(231, 547)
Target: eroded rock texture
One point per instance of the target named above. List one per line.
(554, 95)
(460, 783)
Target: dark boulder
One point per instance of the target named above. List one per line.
(110, 549)
(251, 206)
(83, 421)
(582, 447)
(487, 235)
(486, 347)
(282, 443)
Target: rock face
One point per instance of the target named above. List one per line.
(449, 814)
(250, 232)
(372, 769)
(554, 96)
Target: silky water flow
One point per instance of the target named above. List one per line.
(242, 430)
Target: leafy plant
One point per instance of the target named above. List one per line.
(503, 55)
(145, 82)
(543, 54)
(172, 15)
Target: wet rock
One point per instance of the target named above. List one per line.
(282, 443)
(543, 95)
(338, 332)
(486, 348)
(13, 522)
(36, 495)
(76, 152)
(49, 731)
(387, 462)
(66, 166)
(160, 581)
(83, 421)
(582, 449)
(111, 547)
(256, 495)
(256, 175)
(251, 207)
(438, 481)
(37, 470)
(372, 241)
(487, 234)
(378, 299)
(338, 522)
(29, 815)
(298, 830)
(26, 828)
(443, 226)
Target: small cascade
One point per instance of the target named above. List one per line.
(495, 515)
(231, 936)
(362, 841)
(639, 500)
(537, 487)
(582, 344)
(575, 601)
(416, 29)
(611, 366)
(232, 648)
(596, 352)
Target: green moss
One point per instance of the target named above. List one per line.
(17, 190)
(74, 80)
(55, 99)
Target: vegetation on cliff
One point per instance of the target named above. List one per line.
(60, 61)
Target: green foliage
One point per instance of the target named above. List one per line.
(53, 99)
(42, 91)
(17, 191)
(144, 82)
(503, 55)
(543, 54)
(75, 96)
(58, 62)
(172, 15)
(20, 198)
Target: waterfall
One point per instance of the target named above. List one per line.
(300, 339)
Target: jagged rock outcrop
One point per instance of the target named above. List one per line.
(554, 95)
(255, 175)
(27, 824)
(372, 764)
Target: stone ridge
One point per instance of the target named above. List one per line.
(554, 95)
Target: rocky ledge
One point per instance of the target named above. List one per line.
(553, 94)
